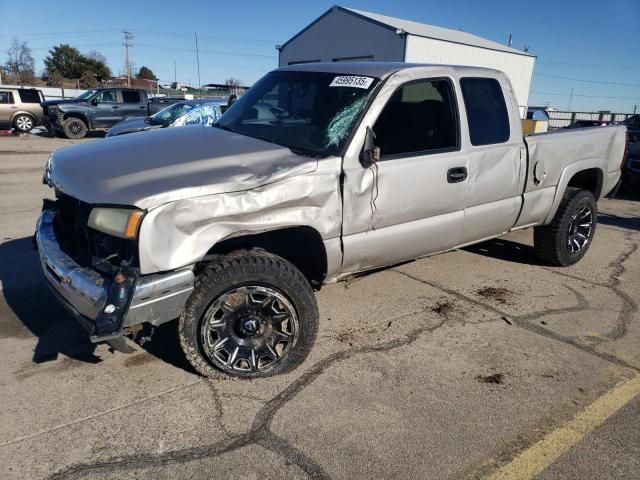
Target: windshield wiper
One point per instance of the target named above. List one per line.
(222, 127)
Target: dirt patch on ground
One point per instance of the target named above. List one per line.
(499, 294)
(139, 359)
(496, 378)
(443, 308)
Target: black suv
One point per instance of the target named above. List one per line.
(97, 109)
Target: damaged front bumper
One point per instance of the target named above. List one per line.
(90, 296)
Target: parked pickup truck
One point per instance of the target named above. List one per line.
(97, 109)
(318, 172)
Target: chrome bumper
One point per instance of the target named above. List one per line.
(156, 298)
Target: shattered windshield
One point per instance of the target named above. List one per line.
(310, 112)
(88, 94)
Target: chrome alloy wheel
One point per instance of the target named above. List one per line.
(249, 329)
(24, 123)
(580, 227)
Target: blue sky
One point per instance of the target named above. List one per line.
(593, 44)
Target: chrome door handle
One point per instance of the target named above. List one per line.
(457, 175)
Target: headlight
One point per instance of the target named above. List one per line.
(119, 222)
(48, 169)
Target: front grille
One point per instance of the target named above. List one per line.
(86, 246)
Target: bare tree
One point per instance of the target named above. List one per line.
(19, 59)
(97, 56)
(55, 80)
(232, 82)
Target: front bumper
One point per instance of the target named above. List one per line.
(155, 299)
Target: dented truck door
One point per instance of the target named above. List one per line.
(411, 202)
(497, 157)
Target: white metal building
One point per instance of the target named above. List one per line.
(345, 34)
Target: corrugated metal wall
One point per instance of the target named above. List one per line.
(519, 68)
(341, 36)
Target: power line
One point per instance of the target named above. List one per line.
(599, 65)
(600, 82)
(579, 95)
(214, 52)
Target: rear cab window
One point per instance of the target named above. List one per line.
(130, 96)
(6, 98)
(29, 96)
(487, 113)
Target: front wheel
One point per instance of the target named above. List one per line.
(74, 128)
(252, 314)
(24, 123)
(568, 237)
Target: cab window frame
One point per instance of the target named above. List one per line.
(507, 111)
(455, 117)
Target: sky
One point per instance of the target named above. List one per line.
(590, 46)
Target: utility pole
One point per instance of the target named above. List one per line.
(175, 73)
(198, 60)
(570, 99)
(127, 37)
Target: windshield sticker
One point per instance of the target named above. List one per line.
(350, 81)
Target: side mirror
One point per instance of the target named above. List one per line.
(94, 102)
(370, 153)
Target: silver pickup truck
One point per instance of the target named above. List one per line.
(319, 171)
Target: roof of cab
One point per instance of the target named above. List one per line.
(371, 69)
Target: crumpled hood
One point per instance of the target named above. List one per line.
(130, 125)
(48, 103)
(168, 164)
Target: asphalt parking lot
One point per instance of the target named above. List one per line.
(475, 363)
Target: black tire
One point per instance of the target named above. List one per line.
(74, 128)
(552, 242)
(237, 271)
(24, 123)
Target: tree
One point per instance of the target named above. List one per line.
(20, 63)
(68, 62)
(232, 82)
(55, 79)
(146, 73)
(88, 80)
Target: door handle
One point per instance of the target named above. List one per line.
(142, 107)
(115, 107)
(457, 174)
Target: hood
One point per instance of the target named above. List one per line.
(130, 125)
(47, 103)
(169, 164)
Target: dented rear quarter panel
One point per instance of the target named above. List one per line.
(563, 154)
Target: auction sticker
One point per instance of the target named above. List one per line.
(351, 81)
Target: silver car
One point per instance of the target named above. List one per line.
(189, 112)
(20, 108)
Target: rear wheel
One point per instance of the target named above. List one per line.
(74, 128)
(24, 123)
(252, 314)
(568, 237)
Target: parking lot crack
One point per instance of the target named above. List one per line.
(260, 432)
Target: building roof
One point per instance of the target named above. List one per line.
(421, 30)
(371, 69)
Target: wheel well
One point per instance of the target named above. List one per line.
(302, 246)
(79, 116)
(17, 114)
(590, 179)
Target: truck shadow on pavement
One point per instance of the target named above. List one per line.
(506, 250)
(628, 223)
(29, 302)
(28, 308)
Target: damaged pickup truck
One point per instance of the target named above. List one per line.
(318, 172)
